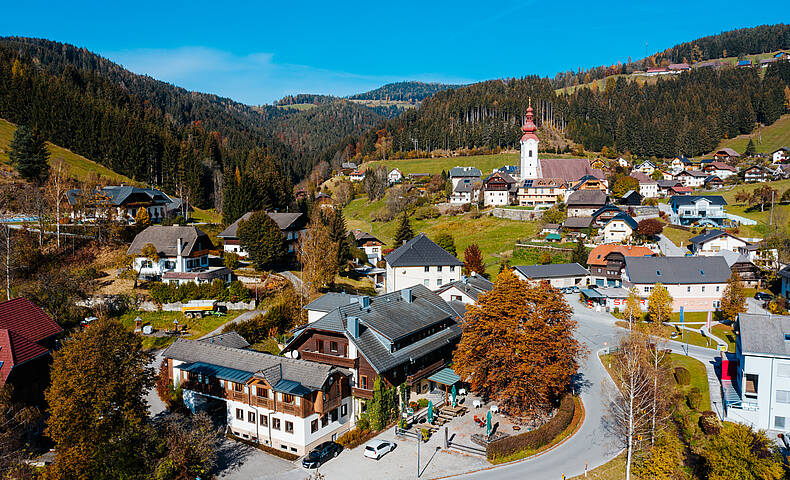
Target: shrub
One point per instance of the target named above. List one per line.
(682, 376)
(231, 260)
(694, 398)
(426, 434)
(709, 423)
(363, 423)
(425, 212)
(538, 437)
(422, 403)
(217, 290)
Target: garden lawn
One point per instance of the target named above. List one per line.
(677, 236)
(164, 321)
(495, 236)
(763, 218)
(699, 377)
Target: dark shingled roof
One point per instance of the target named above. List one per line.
(555, 270)
(587, 197)
(628, 219)
(391, 317)
(311, 375)
(330, 301)
(693, 199)
(229, 339)
(764, 334)
(577, 222)
(421, 251)
(456, 172)
(165, 239)
(286, 221)
(361, 236)
(710, 235)
(118, 195)
(472, 286)
(677, 270)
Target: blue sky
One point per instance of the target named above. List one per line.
(258, 52)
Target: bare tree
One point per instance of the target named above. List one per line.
(57, 184)
(5, 237)
(630, 403)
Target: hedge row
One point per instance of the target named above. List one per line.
(235, 291)
(538, 437)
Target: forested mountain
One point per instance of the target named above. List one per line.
(734, 43)
(403, 91)
(687, 115)
(302, 98)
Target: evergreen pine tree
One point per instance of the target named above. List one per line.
(750, 150)
(447, 242)
(579, 254)
(404, 232)
(29, 154)
(339, 235)
(264, 241)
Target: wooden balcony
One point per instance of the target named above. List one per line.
(239, 396)
(289, 408)
(263, 402)
(213, 390)
(330, 404)
(360, 393)
(424, 372)
(329, 359)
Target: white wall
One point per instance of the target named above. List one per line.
(448, 295)
(560, 282)
(725, 242)
(496, 198)
(693, 297)
(648, 190)
(236, 249)
(616, 231)
(403, 277)
(769, 381)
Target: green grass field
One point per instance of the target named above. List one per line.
(164, 321)
(486, 163)
(494, 236)
(766, 139)
(781, 212)
(80, 167)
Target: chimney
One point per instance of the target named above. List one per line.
(353, 326)
(364, 301)
(179, 259)
(407, 295)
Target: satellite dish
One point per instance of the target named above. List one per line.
(294, 353)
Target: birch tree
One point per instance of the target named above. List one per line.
(633, 309)
(57, 186)
(629, 415)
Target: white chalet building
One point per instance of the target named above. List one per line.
(291, 224)
(420, 262)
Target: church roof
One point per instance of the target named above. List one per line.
(529, 127)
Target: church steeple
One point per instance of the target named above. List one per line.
(530, 165)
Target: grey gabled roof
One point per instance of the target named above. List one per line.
(628, 219)
(677, 270)
(472, 286)
(577, 222)
(390, 316)
(330, 301)
(555, 270)
(457, 172)
(764, 334)
(668, 183)
(421, 251)
(464, 186)
(165, 239)
(118, 194)
(229, 339)
(587, 197)
(285, 221)
(711, 235)
(693, 199)
(311, 375)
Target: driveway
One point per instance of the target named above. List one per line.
(244, 316)
(668, 248)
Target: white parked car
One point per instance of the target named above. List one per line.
(377, 448)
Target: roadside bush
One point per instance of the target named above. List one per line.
(231, 260)
(682, 376)
(235, 291)
(426, 212)
(426, 434)
(694, 398)
(536, 438)
(352, 438)
(709, 423)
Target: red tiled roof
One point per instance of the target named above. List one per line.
(25, 318)
(16, 350)
(599, 253)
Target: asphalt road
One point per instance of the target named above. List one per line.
(592, 445)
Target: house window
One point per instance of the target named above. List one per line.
(688, 289)
(262, 392)
(289, 427)
(452, 268)
(251, 417)
(239, 414)
(146, 264)
(276, 423)
(324, 421)
(333, 347)
(438, 282)
(288, 398)
(750, 379)
(343, 410)
(426, 282)
(457, 298)
(314, 426)
(427, 269)
(783, 370)
(439, 268)
(363, 382)
(264, 420)
(783, 396)
(320, 346)
(333, 415)
(717, 288)
(779, 422)
(703, 289)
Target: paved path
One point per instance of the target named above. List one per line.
(668, 248)
(294, 279)
(593, 444)
(244, 316)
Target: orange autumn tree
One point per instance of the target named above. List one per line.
(517, 345)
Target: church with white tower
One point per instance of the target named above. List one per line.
(530, 165)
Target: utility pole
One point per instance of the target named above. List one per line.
(419, 441)
(772, 208)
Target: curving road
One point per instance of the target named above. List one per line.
(592, 444)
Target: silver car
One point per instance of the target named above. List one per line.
(378, 448)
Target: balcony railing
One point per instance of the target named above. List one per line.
(210, 389)
(288, 408)
(424, 372)
(239, 396)
(360, 393)
(329, 359)
(330, 404)
(264, 402)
